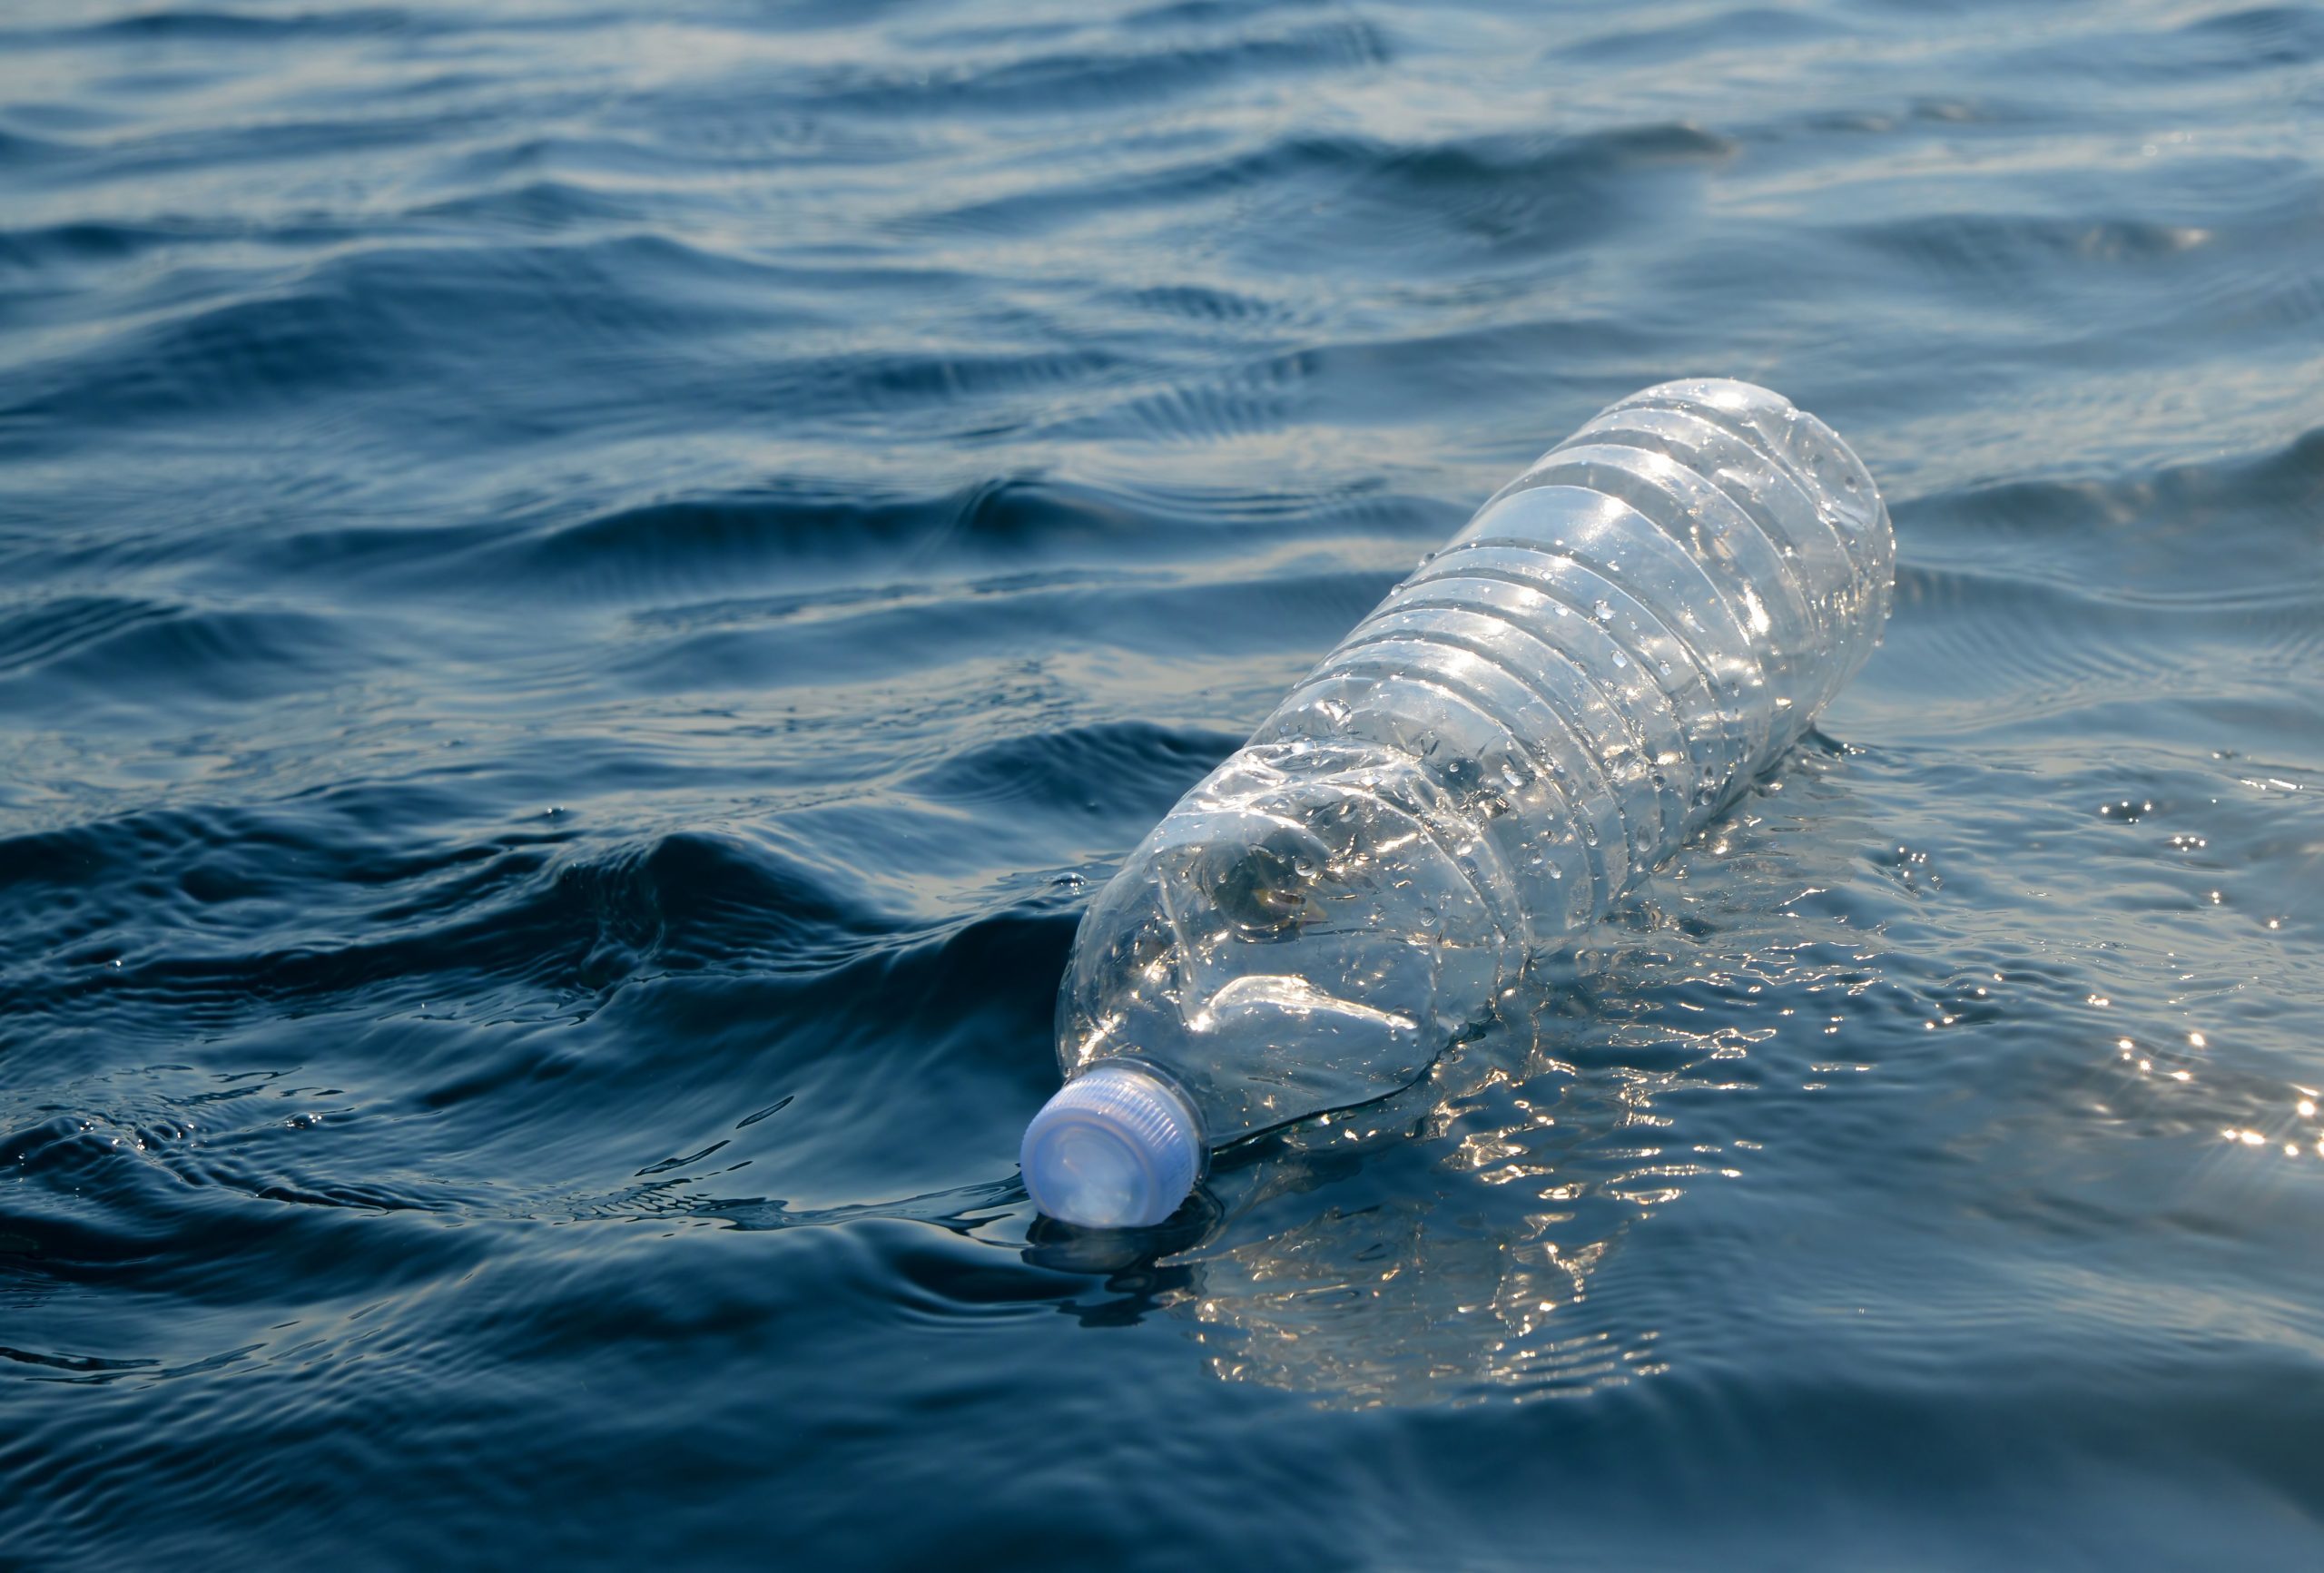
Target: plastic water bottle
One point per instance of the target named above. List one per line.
(1617, 646)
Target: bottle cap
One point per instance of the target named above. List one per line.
(1117, 1147)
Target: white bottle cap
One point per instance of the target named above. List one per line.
(1117, 1147)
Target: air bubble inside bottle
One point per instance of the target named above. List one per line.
(1619, 643)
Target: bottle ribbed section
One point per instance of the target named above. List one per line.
(1621, 640)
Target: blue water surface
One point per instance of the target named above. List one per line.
(585, 591)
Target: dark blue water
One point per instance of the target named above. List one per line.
(585, 594)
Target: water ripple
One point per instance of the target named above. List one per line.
(590, 590)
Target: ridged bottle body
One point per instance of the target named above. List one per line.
(1619, 643)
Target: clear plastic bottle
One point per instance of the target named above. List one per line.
(1619, 642)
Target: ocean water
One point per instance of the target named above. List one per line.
(585, 591)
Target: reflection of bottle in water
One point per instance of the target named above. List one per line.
(1619, 642)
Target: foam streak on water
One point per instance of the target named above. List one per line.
(585, 592)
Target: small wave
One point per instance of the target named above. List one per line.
(383, 315)
(1255, 400)
(36, 634)
(1726, 31)
(145, 1175)
(1285, 615)
(507, 928)
(1978, 252)
(1056, 771)
(247, 354)
(2232, 43)
(2141, 526)
(1205, 303)
(1079, 81)
(21, 149)
(1175, 14)
(139, 656)
(1343, 201)
(2264, 37)
(669, 551)
(663, 549)
(73, 245)
(540, 205)
(239, 26)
